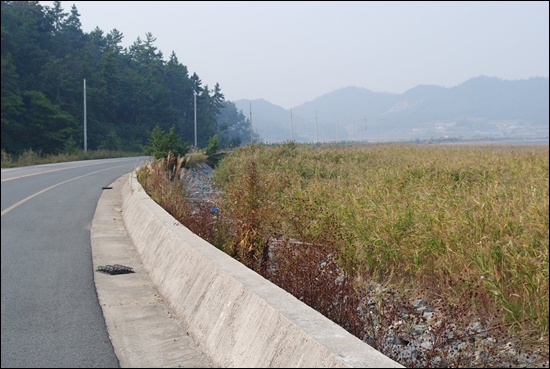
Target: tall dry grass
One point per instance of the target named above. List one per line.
(463, 225)
(359, 233)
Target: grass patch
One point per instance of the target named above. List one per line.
(463, 227)
(30, 157)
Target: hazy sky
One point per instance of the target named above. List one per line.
(291, 52)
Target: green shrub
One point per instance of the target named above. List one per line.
(162, 143)
(213, 155)
(6, 159)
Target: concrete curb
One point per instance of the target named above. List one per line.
(238, 318)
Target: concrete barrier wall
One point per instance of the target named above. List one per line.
(239, 318)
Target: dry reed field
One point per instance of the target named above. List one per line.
(393, 241)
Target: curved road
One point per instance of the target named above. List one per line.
(50, 311)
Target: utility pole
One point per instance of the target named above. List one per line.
(365, 129)
(290, 124)
(337, 130)
(195, 110)
(85, 128)
(250, 110)
(316, 128)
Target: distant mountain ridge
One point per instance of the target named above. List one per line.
(481, 107)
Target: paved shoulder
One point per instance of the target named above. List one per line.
(143, 329)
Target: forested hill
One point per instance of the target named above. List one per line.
(46, 57)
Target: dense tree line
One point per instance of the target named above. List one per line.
(45, 59)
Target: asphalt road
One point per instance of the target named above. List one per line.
(50, 311)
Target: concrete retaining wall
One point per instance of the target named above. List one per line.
(239, 318)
